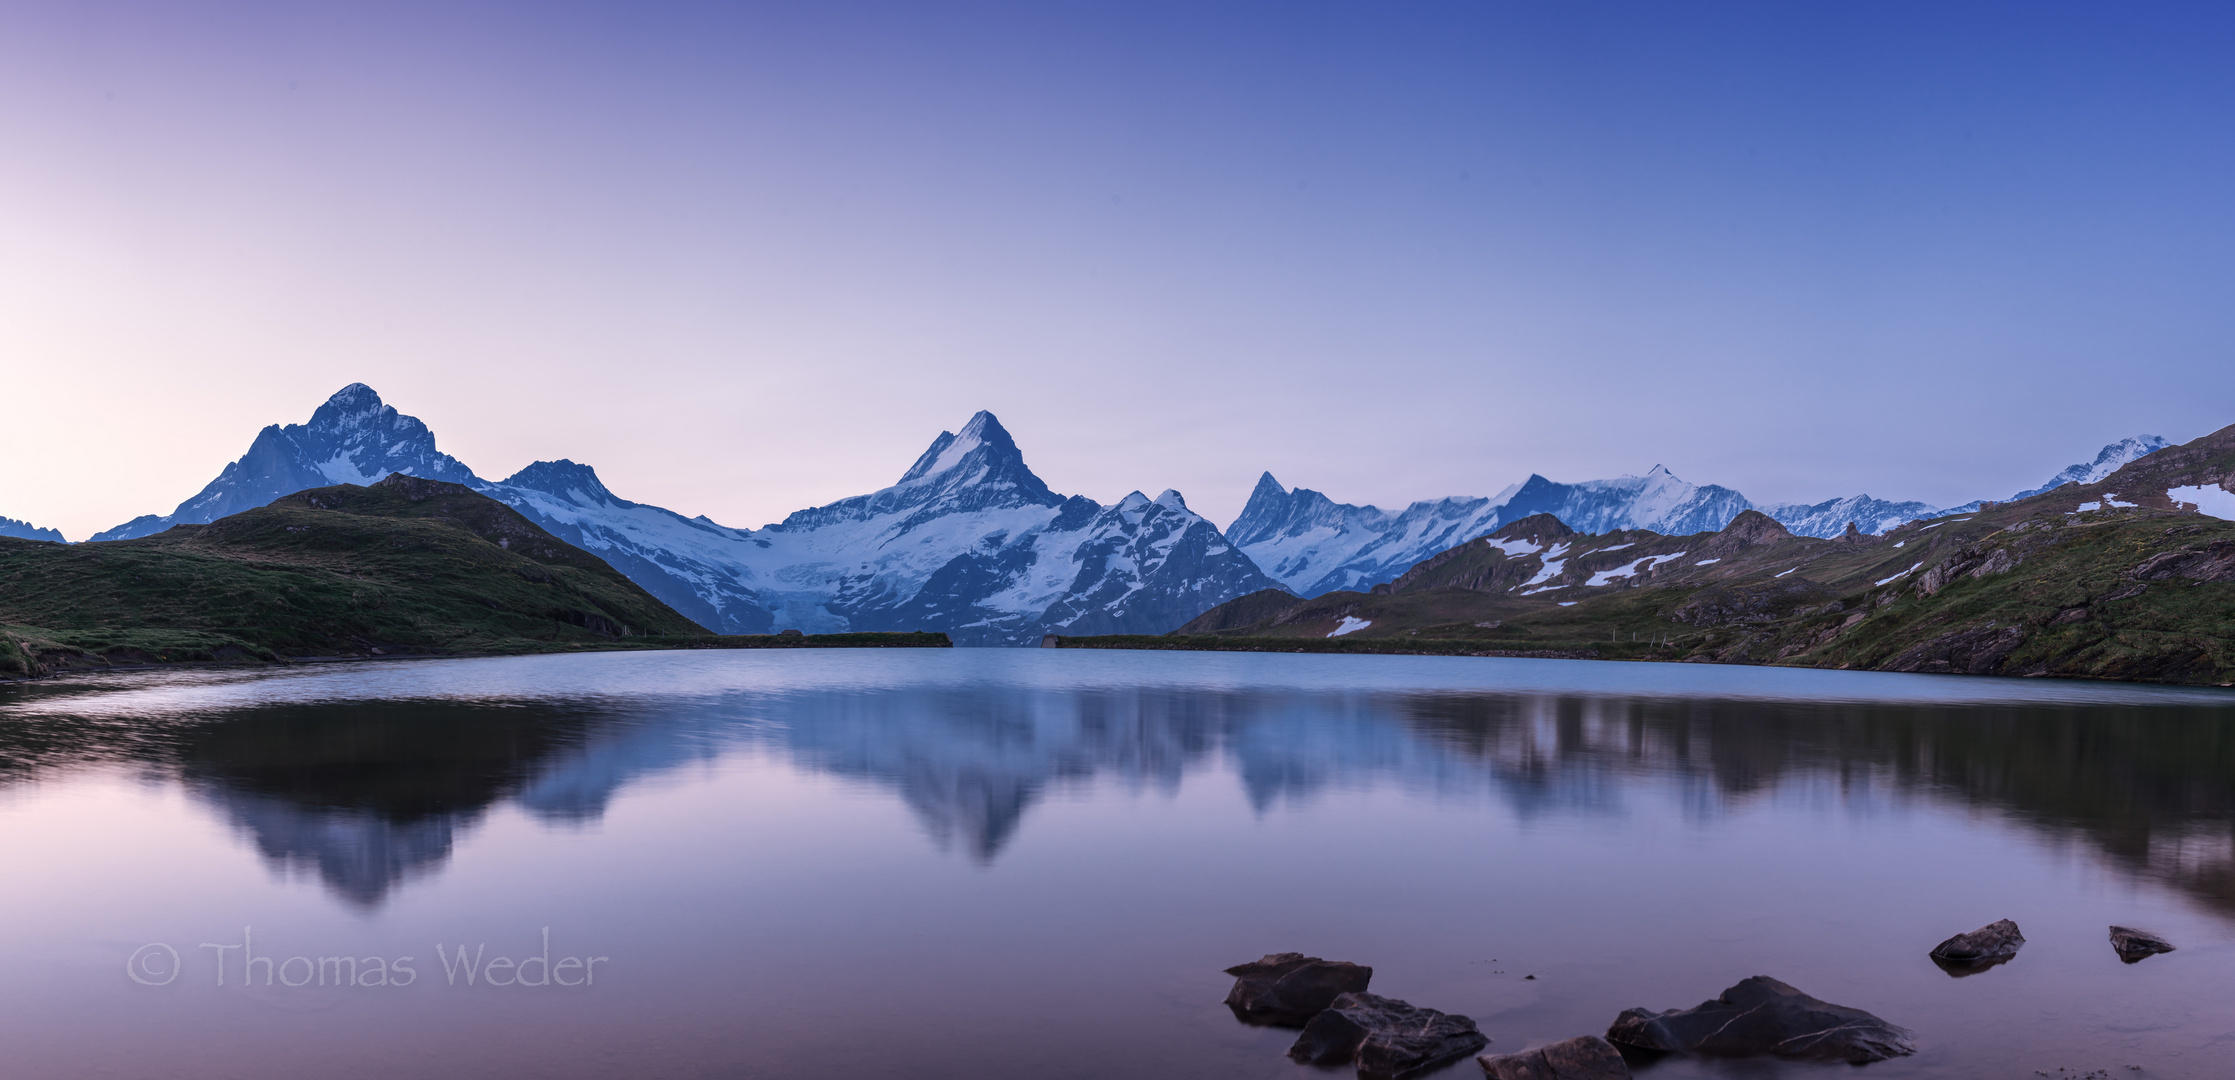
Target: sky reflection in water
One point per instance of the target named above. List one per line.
(1021, 862)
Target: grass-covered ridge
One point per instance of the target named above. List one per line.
(404, 567)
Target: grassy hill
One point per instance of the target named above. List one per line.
(404, 567)
(2112, 580)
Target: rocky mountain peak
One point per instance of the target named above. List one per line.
(1274, 511)
(353, 438)
(982, 442)
(578, 484)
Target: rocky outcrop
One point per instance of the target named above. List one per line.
(1976, 651)
(1971, 562)
(1387, 1039)
(2134, 946)
(2213, 562)
(1288, 989)
(1758, 603)
(1749, 529)
(1964, 954)
(1762, 1016)
(1587, 1057)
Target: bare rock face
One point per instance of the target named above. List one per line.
(1764, 1016)
(1387, 1039)
(1586, 1057)
(1288, 989)
(2135, 945)
(1967, 954)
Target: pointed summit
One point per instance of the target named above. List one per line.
(983, 440)
(1267, 510)
(978, 469)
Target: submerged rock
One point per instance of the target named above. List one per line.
(1967, 954)
(1586, 1057)
(1387, 1038)
(1288, 989)
(2133, 945)
(1764, 1016)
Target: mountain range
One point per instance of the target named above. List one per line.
(2128, 576)
(969, 541)
(1313, 545)
(27, 531)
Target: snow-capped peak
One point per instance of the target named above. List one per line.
(982, 439)
(1172, 500)
(2109, 460)
(578, 484)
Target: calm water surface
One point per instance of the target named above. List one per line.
(984, 863)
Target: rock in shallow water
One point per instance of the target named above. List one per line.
(1288, 989)
(2133, 945)
(1992, 944)
(1387, 1038)
(1586, 1058)
(1764, 1016)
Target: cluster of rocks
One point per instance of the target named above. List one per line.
(1998, 942)
(1388, 1039)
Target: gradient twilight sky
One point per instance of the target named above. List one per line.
(746, 258)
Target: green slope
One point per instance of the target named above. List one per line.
(2112, 580)
(404, 567)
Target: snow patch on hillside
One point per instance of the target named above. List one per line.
(2209, 501)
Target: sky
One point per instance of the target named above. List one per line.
(748, 258)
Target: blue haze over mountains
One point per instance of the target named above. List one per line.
(971, 542)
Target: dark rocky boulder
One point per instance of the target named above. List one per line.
(1387, 1039)
(1764, 1016)
(2134, 945)
(1966, 954)
(1288, 989)
(1586, 1057)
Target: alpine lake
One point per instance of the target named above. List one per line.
(1036, 863)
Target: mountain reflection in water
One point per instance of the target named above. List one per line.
(368, 795)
